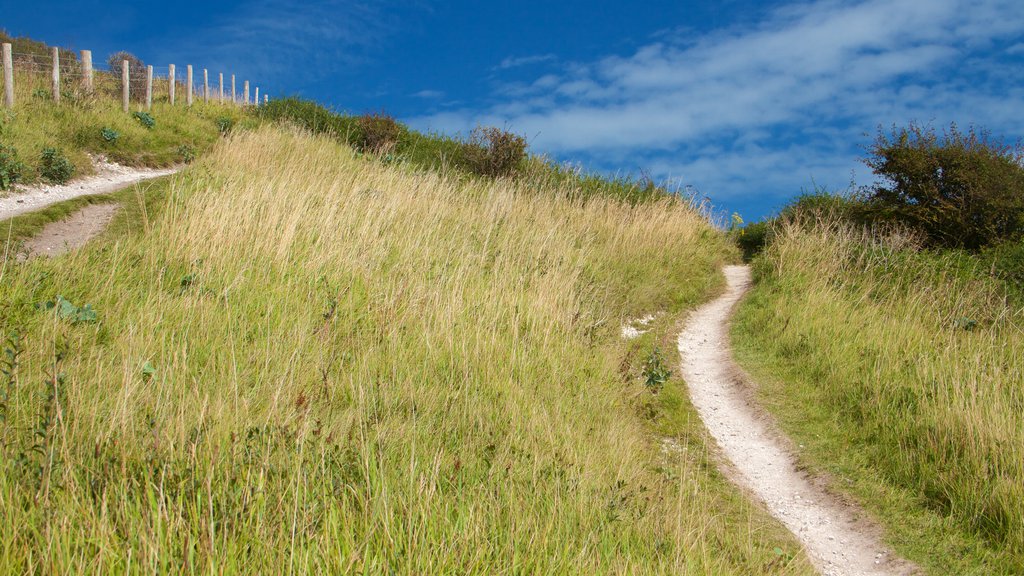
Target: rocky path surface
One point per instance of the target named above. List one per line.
(835, 535)
(108, 178)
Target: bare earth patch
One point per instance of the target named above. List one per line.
(108, 178)
(58, 238)
(836, 536)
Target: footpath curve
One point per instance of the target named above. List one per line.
(836, 537)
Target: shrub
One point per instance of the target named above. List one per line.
(136, 73)
(187, 153)
(494, 152)
(378, 133)
(961, 190)
(1006, 262)
(146, 119)
(11, 169)
(55, 167)
(225, 124)
(110, 135)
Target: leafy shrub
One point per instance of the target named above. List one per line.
(225, 124)
(752, 238)
(136, 74)
(11, 169)
(378, 133)
(55, 167)
(961, 190)
(146, 119)
(494, 152)
(110, 135)
(655, 373)
(187, 153)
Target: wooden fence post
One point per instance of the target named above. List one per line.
(173, 81)
(234, 98)
(55, 85)
(149, 87)
(124, 85)
(256, 100)
(206, 85)
(188, 85)
(246, 91)
(220, 92)
(266, 98)
(87, 69)
(8, 76)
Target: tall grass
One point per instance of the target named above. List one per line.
(310, 362)
(902, 371)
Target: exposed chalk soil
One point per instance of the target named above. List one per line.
(108, 178)
(57, 238)
(835, 535)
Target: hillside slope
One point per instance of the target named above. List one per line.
(304, 360)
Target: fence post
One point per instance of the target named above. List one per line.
(220, 91)
(87, 69)
(55, 85)
(266, 98)
(246, 91)
(173, 81)
(8, 76)
(206, 85)
(149, 87)
(256, 100)
(188, 85)
(234, 98)
(124, 85)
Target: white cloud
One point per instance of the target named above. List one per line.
(516, 62)
(811, 71)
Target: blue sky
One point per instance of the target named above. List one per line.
(746, 102)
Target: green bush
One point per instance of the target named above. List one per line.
(960, 189)
(1006, 262)
(110, 135)
(136, 74)
(187, 153)
(146, 119)
(55, 167)
(378, 133)
(11, 169)
(494, 152)
(225, 124)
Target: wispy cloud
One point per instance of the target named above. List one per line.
(516, 62)
(429, 94)
(274, 39)
(769, 106)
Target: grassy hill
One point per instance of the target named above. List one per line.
(295, 357)
(900, 371)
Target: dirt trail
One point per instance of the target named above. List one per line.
(836, 537)
(57, 238)
(108, 178)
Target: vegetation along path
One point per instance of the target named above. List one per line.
(838, 541)
(109, 177)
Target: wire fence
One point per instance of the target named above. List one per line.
(62, 71)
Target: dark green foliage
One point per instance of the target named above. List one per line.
(225, 124)
(65, 310)
(11, 169)
(146, 119)
(1005, 261)
(110, 135)
(378, 133)
(960, 189)
(55, 167)
(493, 152)
(752, 238)
(655, 373)
(187, 153)
(136, 73)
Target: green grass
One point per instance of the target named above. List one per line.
(900, 373)
(75, 126)
(304, 361)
